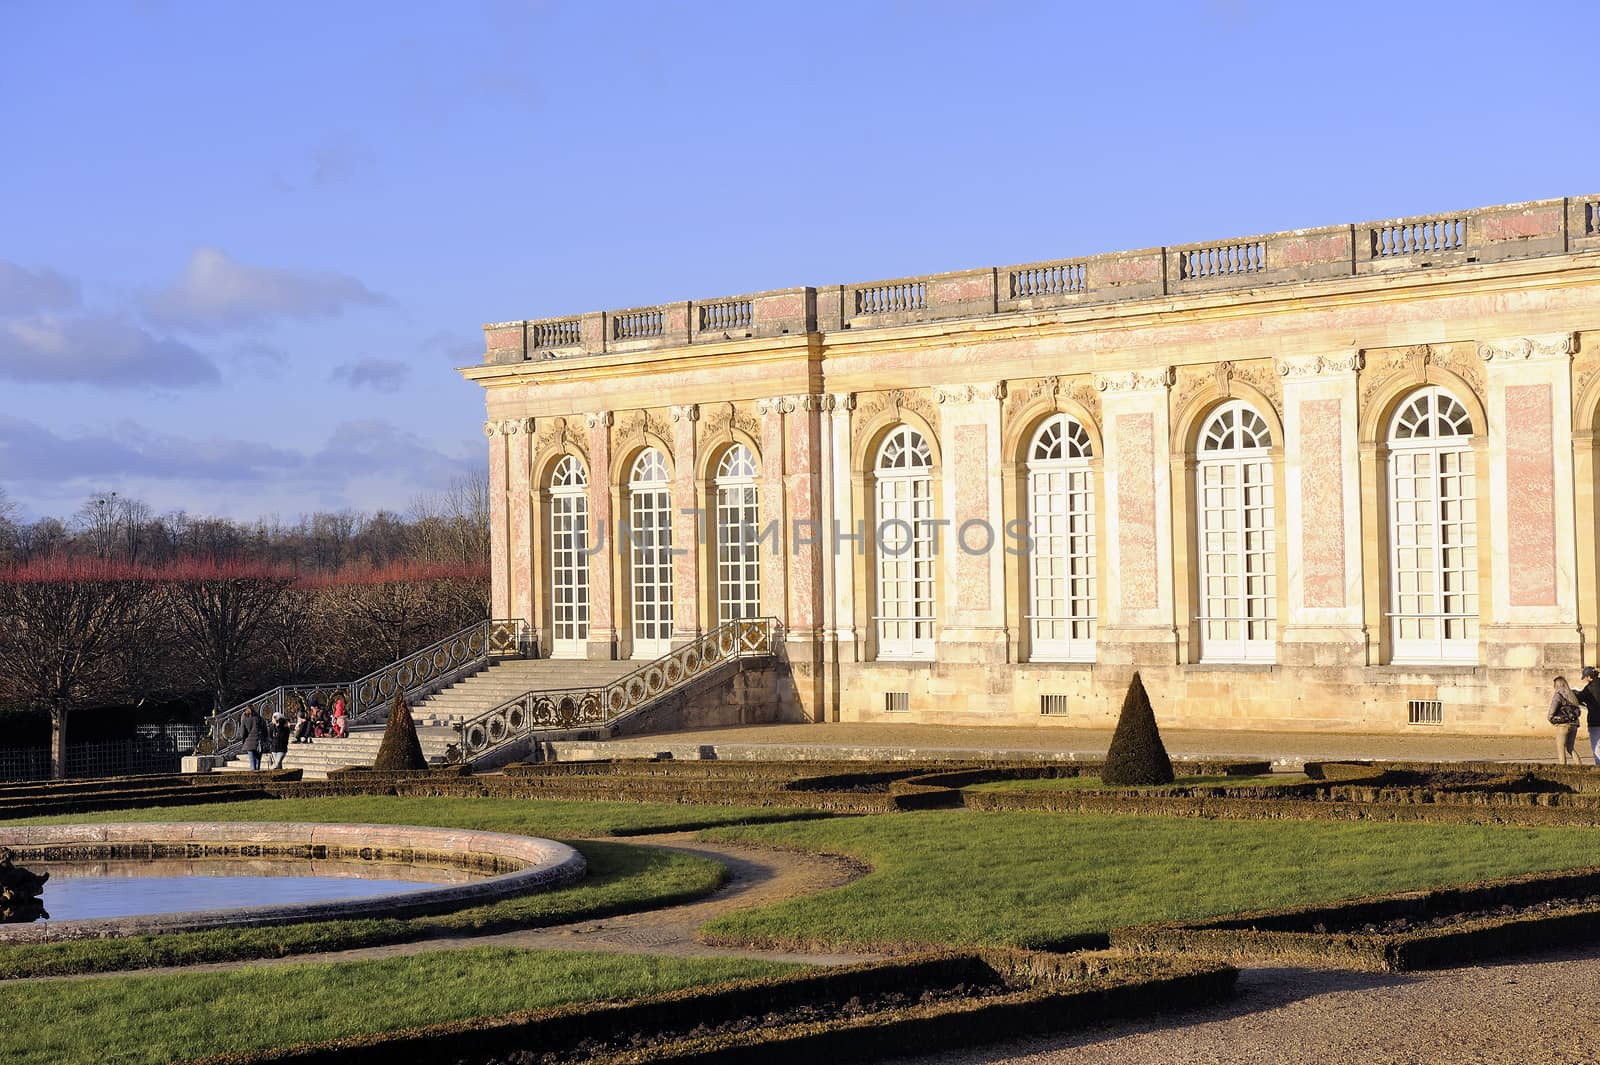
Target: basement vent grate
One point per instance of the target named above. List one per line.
(896, 702)
(1053, 705)
(1425, 712)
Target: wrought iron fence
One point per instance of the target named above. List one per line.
(571, 708)
(159, 752)
(416, 675)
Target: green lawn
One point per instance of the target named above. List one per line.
(131, 1020)
(556, 819)
(1034, 878)
(1094, 783)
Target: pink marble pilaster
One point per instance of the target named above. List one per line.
(1136, 511)
(519, 503)
(602, 528)
(1322, 502)
(499, 577)
(801, 487)
(689, 525)
(972, 504)
(774, 587)
(1530, 495)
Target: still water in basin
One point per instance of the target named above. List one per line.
(79, 890)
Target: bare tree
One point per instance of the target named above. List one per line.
(68, 630)
(452, 526)
(218, 613)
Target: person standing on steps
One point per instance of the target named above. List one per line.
(280, 741)
(1589, 696)
(1563, 715)
(252, 737)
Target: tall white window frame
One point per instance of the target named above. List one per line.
(1433, 531)
(650, 553)
(1062, 585)
(569, 559)
(738, 498)
(1236, 536)
(903, 509)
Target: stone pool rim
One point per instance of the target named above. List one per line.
(545, 865)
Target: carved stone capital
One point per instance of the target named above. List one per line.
(1135, 380)
(991, 390)
(598, 420)
(688, 412)
(845, 401)
(491, 429)
(1544, 346)
(1310, 365)
(775, 405)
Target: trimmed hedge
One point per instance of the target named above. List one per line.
(1136, 755)
(1030, 994)
(1335, 933)
(1353, 804)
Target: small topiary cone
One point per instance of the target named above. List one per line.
(400, 748)
(1137, 756)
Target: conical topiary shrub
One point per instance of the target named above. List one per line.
(400, 748)
(1137, 755)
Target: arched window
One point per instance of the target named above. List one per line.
(1061, 566)
(738, 511)
(1433, 531)
(903, 485)
(650, 541)
(1237, 537)
(569, 558)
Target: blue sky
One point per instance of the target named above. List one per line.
(242, 247)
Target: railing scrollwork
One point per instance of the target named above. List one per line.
(418, 674)
(538, 710)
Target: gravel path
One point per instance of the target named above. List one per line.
(758, 876)
(1512, 1013)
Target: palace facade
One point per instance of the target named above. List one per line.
(1336, 478)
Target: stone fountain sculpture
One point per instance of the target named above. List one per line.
(19, 891)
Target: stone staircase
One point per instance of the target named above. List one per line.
(358, 748)
(509, 678)
(435, 715)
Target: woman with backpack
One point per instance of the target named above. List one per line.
(1564, 716)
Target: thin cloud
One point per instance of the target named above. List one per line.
(102, 350)
(29, 452)
(24, 291)
(219, 292)
(380, 375)
(370, 461)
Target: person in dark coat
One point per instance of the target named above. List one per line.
(1589, 696)
(252, 736)
(280, 741)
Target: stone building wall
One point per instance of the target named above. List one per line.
(1325, 334)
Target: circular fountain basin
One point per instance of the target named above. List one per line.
(192, 877)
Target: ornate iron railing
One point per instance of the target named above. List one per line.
(572, 708)
(417, 674)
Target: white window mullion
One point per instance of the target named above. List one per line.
(904, 512)
(650, 536)
(1236, 533)
(1433, 565)
(1062, 599)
